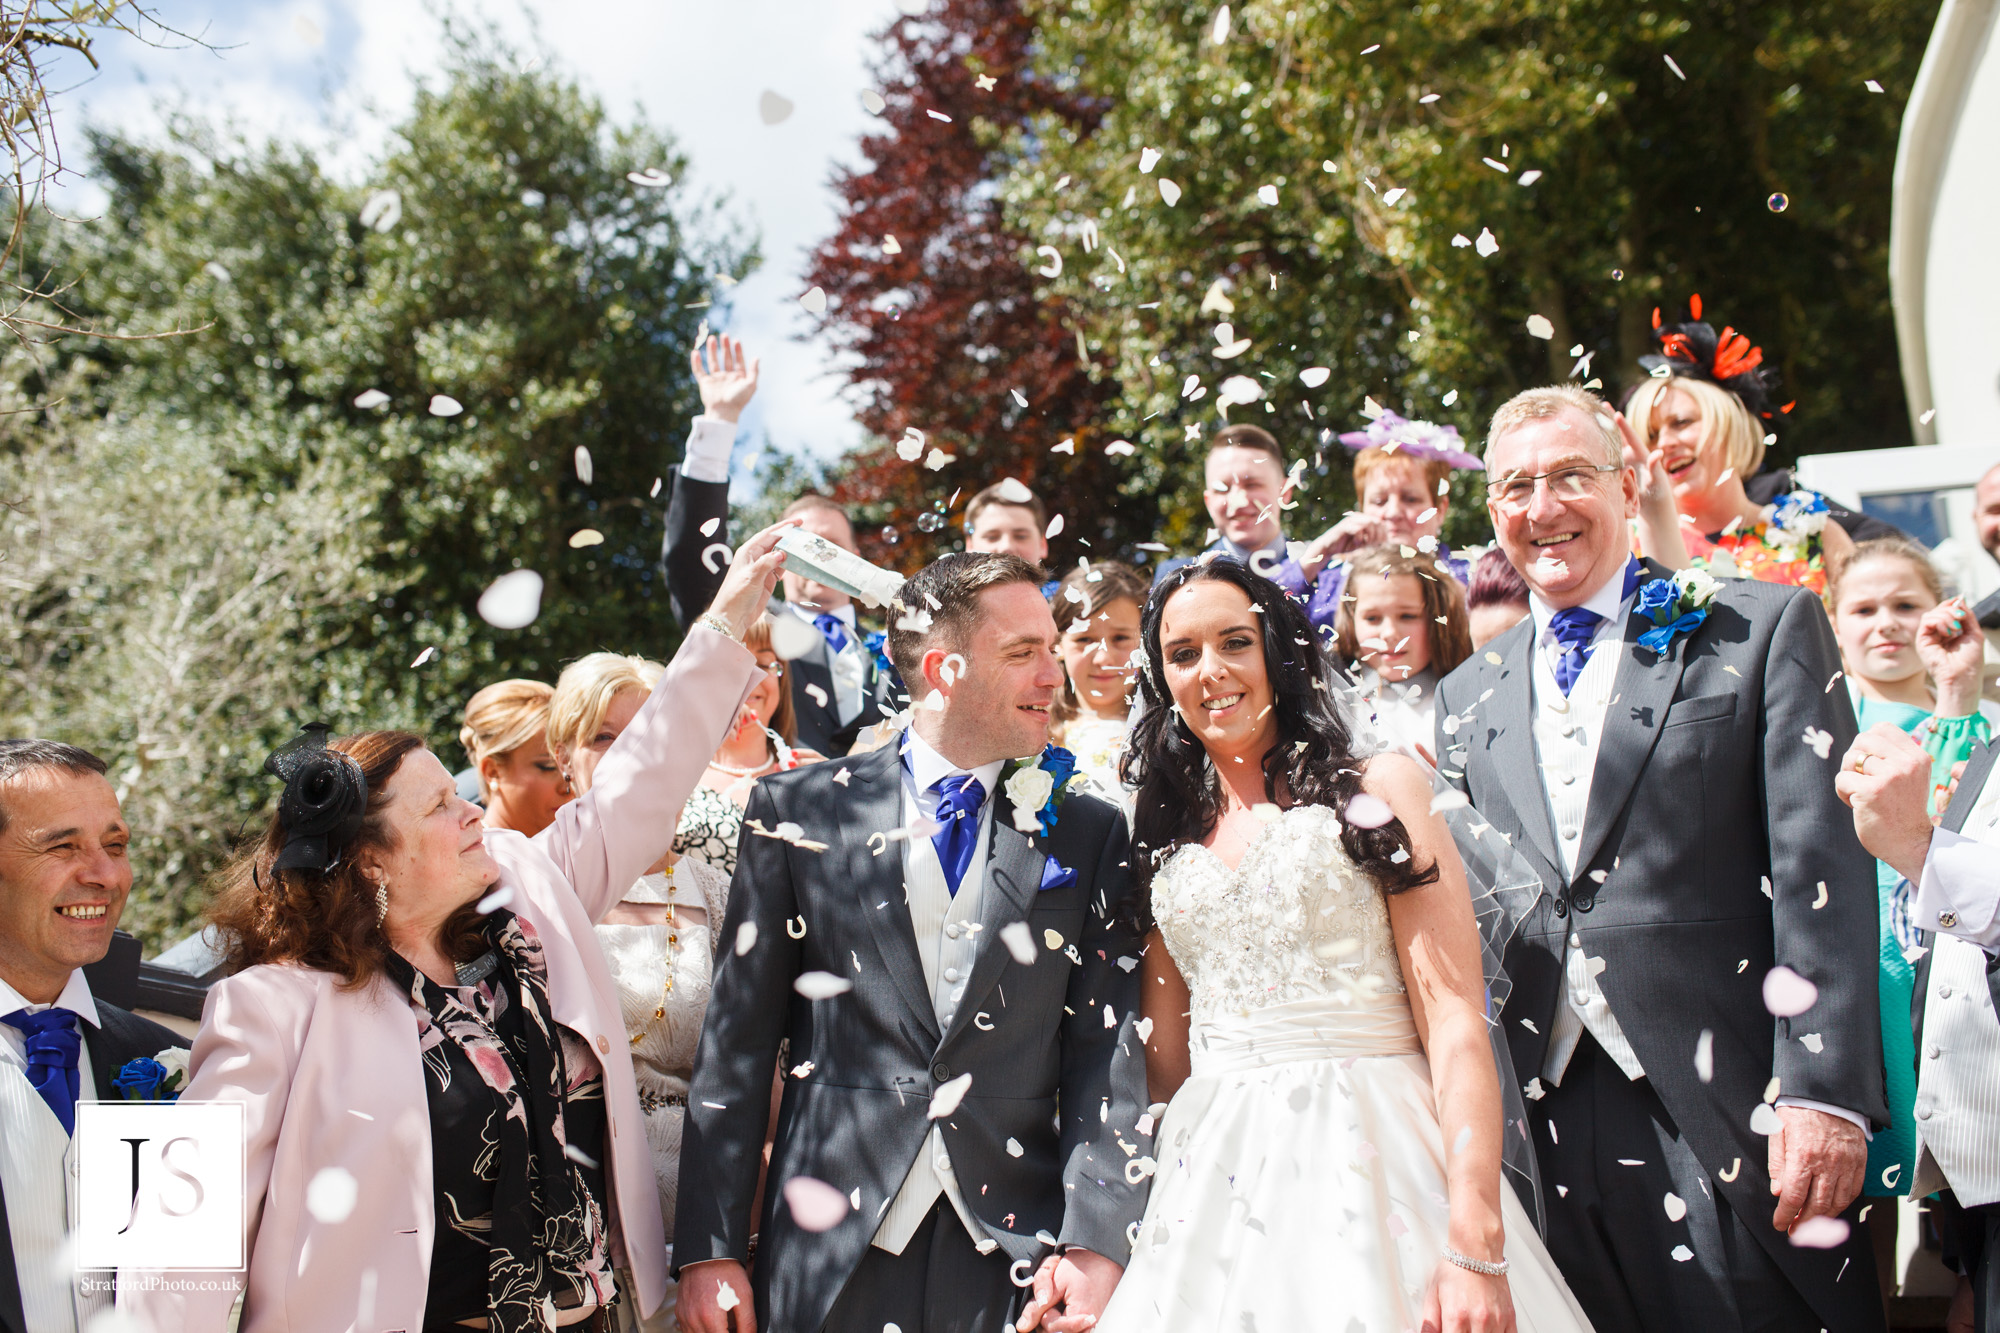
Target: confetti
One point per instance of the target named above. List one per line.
(513, 600)
(1148, 159)
(423, 657)
(726, 1298)
(1487, 245)
(1764, 1120)
(1704, 1056)
(1675, 68)
(1239, 389)
(1682, 1254)
(1218, 33)
(814, 301)
(1366, 811)
(444, 405)
(1820, 742)
(1539, 327)
(746, 938)
(1314, 376)
(938, 115)
(651, 178)
(1676, 1207)
(1020, 942)
(1460, 240)
(1821, 1233)
(986, 83)
(843, 777)
(873, 102)
(1014, 1148)
(821, 985)
(370, 398)
(946, 1099)
(495, 900)
(1871, 85)
(891, 246)
(1813, 1042)
(773, 108)
(1267, 195)
(1427, 99)
(815, 1205)
(331, 1195)
(1055, 527)
(1497, 166)
(1529, 177)
(579, 1156)
(1392, 196)
(382, 210)
(583, 537)
(1169, 192)
(1787, 994)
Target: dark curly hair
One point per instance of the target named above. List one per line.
(1313, 762)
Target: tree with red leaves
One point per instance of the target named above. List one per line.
(943, 323)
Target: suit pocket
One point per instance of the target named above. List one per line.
(1700, 708)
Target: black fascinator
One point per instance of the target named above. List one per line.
(1728, 359)
(325, 799)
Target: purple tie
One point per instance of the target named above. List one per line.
(960, 798)
(53, 1045)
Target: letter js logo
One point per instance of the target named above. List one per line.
(159, 1185)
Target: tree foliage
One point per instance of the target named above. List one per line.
(948, 328)
(1394, 136)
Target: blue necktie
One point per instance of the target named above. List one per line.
(960, 798)
(53, 1045)
(835, 630)
(1574, 627)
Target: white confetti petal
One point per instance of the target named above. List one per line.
(586, 471)
(583, 537)
(746, 938)
(1539, 327)
(1821, 1233)
(1787, 994)
(444, 405)
(1704, 1056)
(873, 102)
(1676, 69)
(1682, 1254)
(1148, 159)
(821, 985)
(946, 1099)
(1314, 376)
(426, 655)
(1487, 245)
(1764, 1120)
(513, 600)
(1169, 192)
(382, 210)
(815, 1205)
(814, 301)
(652, 178)
(1366, 811)
(1020, 942)
(331, 1195)
(1055, 526)
(1676, 1207)
(1268, 195)
(370, 398)
(495, 900)
(1813, 1042)
(773, 107)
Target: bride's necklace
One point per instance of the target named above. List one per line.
(754, 770)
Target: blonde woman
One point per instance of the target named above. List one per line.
(1707, 411)
(505, 737)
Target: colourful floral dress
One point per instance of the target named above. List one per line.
(1786, 548)
(1892, 1153)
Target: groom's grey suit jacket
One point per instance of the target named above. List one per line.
(1705, 790)
(1057, 1069)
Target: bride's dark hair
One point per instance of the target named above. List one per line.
(1313, 763)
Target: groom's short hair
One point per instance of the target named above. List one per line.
(940, 603)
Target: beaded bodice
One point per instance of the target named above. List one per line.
(1295, 920)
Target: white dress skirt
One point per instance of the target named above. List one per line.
(1300, 1170)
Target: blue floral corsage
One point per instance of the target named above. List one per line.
(877, 644)
(1675, 606)
(1037, 789)
(1797, 517)
(158, 1079)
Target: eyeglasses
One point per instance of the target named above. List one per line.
(1516, 491)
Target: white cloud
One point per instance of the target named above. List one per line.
(337, 75)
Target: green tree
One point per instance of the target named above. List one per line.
(501, 255)
(1394, 136)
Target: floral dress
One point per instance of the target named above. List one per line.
(1787, 547)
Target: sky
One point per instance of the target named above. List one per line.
(337, 74)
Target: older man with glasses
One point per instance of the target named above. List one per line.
(1694, 998)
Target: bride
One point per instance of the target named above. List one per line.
(1330, 1154)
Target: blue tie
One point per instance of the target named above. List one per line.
(960, 798)
(835, 630)
(53, 1045)
(1574, 627)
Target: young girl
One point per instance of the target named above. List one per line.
(1097, 609)
(1402, 628)
(1912, 659)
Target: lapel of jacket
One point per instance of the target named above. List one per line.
(875, 805)
(1640, 695)
(13, 1318)
(1013, 877)
(1512, 713)
(1978, 768)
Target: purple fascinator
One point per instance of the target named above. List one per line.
(1418, 439)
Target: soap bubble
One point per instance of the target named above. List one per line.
(890, 536)
(1778, 202)
(929, 521)
(1618, 275)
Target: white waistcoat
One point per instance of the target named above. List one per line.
(34, 1171)
(1958, 1078)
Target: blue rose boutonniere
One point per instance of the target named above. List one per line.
(1675, 606)
(158, 1079)
(1036, 789)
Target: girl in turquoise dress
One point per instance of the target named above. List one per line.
(1912, 659)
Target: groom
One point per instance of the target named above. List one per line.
(955, 999)
(1675, 791)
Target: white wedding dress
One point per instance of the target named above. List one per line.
(1301, 1168)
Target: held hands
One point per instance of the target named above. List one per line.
(727, 379)
(1817, 1162)
(753, 574)
(699, 1308)
(1079, 1282)
(1462, 1301)
(1952, 650)
(1886, 778)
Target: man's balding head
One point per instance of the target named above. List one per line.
(1986, 510)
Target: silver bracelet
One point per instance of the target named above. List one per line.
(719, 625)
(1476, 1265)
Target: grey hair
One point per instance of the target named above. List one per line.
(23, 756)
(1552, 400)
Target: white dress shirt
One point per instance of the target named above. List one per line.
(34, 1171)
(947, 933)
(706, 457)
(1958, 893)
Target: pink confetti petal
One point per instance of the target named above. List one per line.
(815, 1205)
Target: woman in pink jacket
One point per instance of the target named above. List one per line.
(443, 1127)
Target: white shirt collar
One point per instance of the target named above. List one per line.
(1608, 601)
(75, 997)
(807, 613)
(926, 766)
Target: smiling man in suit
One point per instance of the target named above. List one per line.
(64, 877)
(973, 1098)
(1670, 776)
